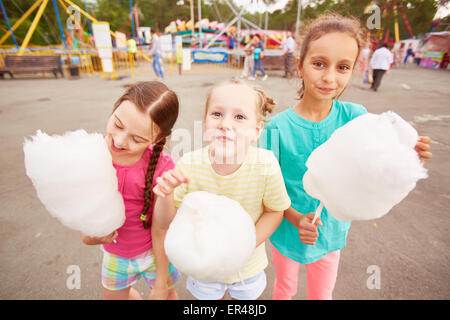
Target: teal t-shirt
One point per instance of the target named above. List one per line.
(292, 139)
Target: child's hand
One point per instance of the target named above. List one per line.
(159, 293)
(422, 147)
(99, 240)
(167, 182)
(307, 230)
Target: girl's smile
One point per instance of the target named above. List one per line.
(224, 139)
(114, 148)
(326, 90)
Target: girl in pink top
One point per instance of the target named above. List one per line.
(141, 121)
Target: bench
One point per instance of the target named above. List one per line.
(14, 64)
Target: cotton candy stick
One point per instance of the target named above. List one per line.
(318, 212)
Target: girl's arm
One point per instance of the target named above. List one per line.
(160, 290)
(99, 240)
(164, 212)
(267, 224)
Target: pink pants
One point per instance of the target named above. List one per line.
(320, 276)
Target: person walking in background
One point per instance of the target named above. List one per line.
(258, 56)
(288, 55)
(156, 52)
(132, 47)
(380, 63)
(409, 52)
(248, 60)
(364, 63)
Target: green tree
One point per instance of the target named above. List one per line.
(159, 13)
(47, 31)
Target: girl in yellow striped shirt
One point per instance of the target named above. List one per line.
(231, 166)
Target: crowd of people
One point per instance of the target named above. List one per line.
(254, 53)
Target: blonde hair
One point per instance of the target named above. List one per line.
(327, 23)
(264, 104)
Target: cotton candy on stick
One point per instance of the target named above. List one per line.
(365, 168)
(211, 237)
(75, 180)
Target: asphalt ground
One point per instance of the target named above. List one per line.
(407, 250)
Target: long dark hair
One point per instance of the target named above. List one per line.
(161, 103)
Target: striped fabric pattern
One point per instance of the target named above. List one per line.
(257, 183)
(119, 273)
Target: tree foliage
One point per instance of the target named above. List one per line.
(159, 13)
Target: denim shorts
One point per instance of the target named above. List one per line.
(248, 289)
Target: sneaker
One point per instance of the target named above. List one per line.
(265, 77)
(251, 78)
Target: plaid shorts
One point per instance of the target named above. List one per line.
(119, 273)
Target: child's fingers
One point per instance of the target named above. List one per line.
(171, 180)
(158, 192)
(307, 224)
(114, 236)
(308, 233)
(163, 184)
(420, 146)
(181, 178)
(174, 178)
(165, 189)
(318, 222)
(424, 139)
(424, 155)
(159, 189)
(309, 240)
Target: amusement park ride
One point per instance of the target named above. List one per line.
(41, 5)
(68, 35)
(203, 39)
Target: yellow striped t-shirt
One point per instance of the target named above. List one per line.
(257, 183)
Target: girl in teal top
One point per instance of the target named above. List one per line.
(330, 48)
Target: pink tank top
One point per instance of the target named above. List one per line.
(132, 238)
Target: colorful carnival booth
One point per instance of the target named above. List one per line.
(436, 50)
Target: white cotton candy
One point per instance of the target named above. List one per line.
(75, 180)
(365, 168)
(211, 237)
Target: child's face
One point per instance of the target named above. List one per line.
(129, 132)
(231, 122)
(328, 65)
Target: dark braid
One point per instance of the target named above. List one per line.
(148, 191)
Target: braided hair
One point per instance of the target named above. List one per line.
(148, 191)
(161, 103)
